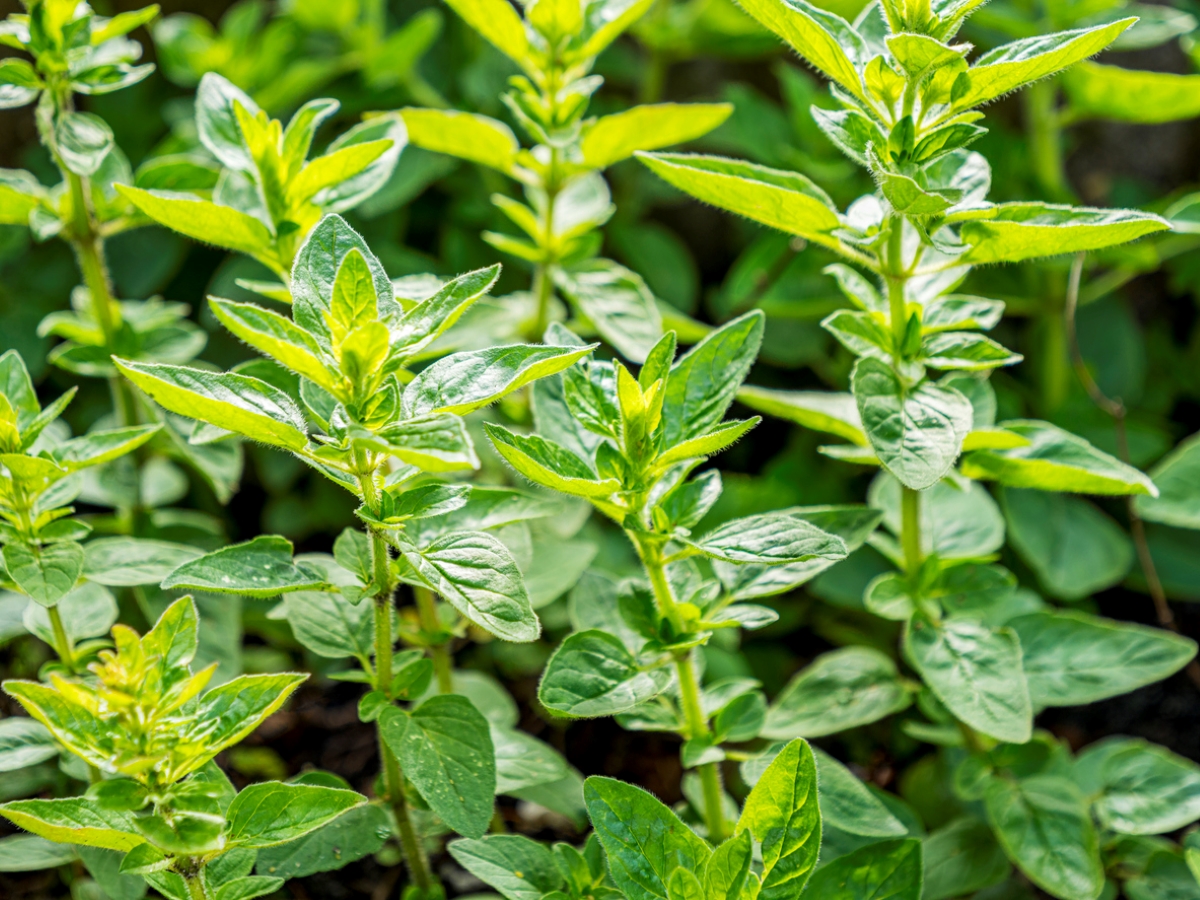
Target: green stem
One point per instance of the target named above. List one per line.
(689, 690)
(85, 239)
(443, 664)
(910, 529)
(1045, 139)
(393, 777)
(195, 886)
(62, 643)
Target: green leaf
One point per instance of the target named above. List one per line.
(548, 464)
(888, 870)
(1018, 231)
(465, 135)
(841, 689)
(74, 821)
(278, 337)
(432, 316)
(47, 573)
(88, 611)
(226, 715)
(445, 750)
(204, 221)
(1073, 547)
(782, 814)
(645, 842)
(261, 567)
(24, 742)
(966, 352)
(610, 139)
(82, 141)
(1177, 476)
(351, 836)
(848, 805)
(962, 857)
(728, 868)
(617, 302)
(517, 867)
(338, 165)
(975, 671)
(522, 761)
(477, 575)
(704, 381)
(826, 41)
(592, 674)
(1043, 825)
(432, 443)
(30, 853)
(236, 403)
(1055, 460)
(784, 200)
(315, 271)
(683, 885)
(1131, 95)
(1022, 62)
(1167, 874)
(129, 561)
(98, 447)
(1071, 658)
(271, 813)
(832, 413)
(710, 444)
(329, 625)
(217, 123)
(463, 382)
(770, 538)
(1139, 788)
(916, 432)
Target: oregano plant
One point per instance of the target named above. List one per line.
(555, 46)
(987, 658)
(144, 721)
(350, 407)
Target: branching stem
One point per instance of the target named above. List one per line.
(62, 642)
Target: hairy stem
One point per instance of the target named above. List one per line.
(85, 240)
(393, 777)
(689, 690)
(195, 886)
(910, 500)
(443, 664)
(62, 643)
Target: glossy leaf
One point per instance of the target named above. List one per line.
(592, 674)
(645, 842)
(234, 402)
(264, 815)
(783, 815)
(445, 750)
(261, 567)
(841, 689)
(976, 671)
(1044, 827)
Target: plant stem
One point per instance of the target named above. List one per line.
(195, 886)
(910, 500)
(393, 777)
(62, 643)
(1045, 140)
(543, 290)
(910, 529)
(88, 245)
(443, 665)
(689, 689)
